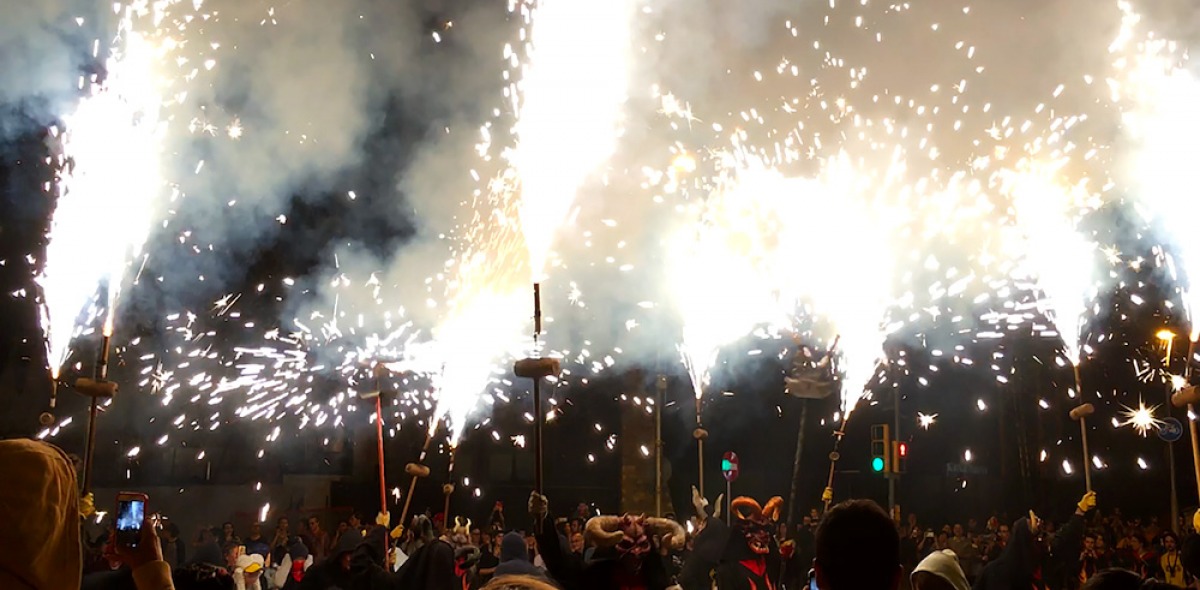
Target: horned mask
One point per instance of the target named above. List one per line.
(755, 521)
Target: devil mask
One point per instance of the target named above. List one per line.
(756, 522)
(631, 535)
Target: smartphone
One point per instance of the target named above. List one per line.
(131, 512)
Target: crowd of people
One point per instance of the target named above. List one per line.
(853, 545)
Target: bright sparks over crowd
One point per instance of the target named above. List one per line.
(812, 195)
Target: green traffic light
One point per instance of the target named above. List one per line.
(726, 465)
(877, 464)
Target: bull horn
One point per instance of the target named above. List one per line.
(745, 502)
(671, 531)
(773, 508)
(602, 531)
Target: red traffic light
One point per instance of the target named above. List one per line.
(902, 449)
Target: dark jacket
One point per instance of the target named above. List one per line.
(430, 567)
(514, 558)
(1023, 565)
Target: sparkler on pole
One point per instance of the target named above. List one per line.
(96, 387)
(380, 371)
(416, 470)
(537, 369)
(1080, 414)
(834, 455)
(1189, 396)
(448, 490)
(700, 434)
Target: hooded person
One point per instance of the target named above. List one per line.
(39, 505)
(1025, 564)
(293, 565)
(431, 565)
(514, 558)
(939, 571)
(334, 571)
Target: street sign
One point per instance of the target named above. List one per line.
(729, 466)
(1171, 430)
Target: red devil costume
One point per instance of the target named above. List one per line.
(625, 557)
(739, 557)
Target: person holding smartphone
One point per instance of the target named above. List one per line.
(39, 504)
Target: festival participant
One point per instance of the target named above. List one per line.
(858, 548)
(334, 571)
(514, 557)
(1141, 558)
(292, 566)
(227, 536)
(39, 506)
(430, 566)
(255, 543)
(1023, 563)
(519, 583)
(174, 550)
(316, 539)
(624, 556)
(1171, 562)
(247, 572)
(281, 539)
(1089, 560)
(940, 571)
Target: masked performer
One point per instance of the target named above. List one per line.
(627, 556)
(739, 557)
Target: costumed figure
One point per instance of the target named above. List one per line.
(431, 564)
(744, 556)
(1026, 562)
(466, 555)
(627, 553)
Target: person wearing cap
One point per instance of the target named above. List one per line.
(247, 572)
(940, 571)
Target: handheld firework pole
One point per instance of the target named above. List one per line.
(97, 387)
(448, 490)
(834, 455)
(537, 368)
(700, 434)
(416, 470)
(380, 372)
(1080, 413)
(661, 390)
(1189, 396)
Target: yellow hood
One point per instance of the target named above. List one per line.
(39, 506)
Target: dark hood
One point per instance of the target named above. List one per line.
(512, 546)
(347, 543)
(1020, 554)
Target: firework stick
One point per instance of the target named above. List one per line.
(416, 470)
(1080, 414)
(382, 469)
(448, 489)
(1189, 397)
(97, 387)
(700, 434)
(834, 455)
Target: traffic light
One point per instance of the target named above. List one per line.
(899, 457)
(726, 465)
(881, 444)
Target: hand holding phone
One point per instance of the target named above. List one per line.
(131, 515)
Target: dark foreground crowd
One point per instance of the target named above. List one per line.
(854, 545)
